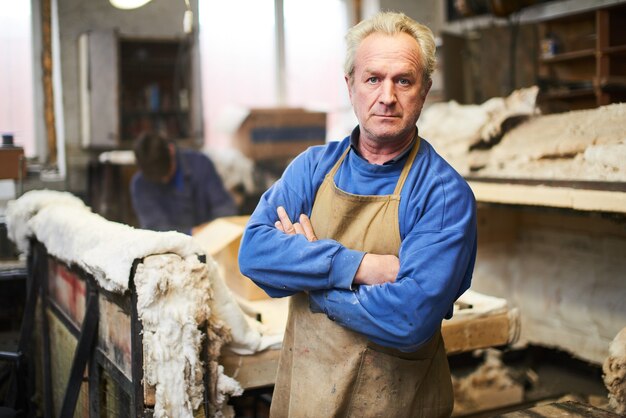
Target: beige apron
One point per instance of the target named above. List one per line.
(326, 370)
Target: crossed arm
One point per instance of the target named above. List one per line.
(374, 268)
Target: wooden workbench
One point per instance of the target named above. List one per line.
(479, 322)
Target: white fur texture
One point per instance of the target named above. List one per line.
(174, 291)
(173, 299)
(614, 369)
(452, 127)
(20, 211)
(247, 336)
(102, 248)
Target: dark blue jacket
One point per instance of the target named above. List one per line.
(193, 196)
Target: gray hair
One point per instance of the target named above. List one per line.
(391, 23)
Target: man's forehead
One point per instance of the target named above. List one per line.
(401, 51)
(385, 38)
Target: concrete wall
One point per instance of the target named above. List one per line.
(158, 19)
(564, 270)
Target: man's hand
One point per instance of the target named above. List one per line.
(303, 227)
(377, 269)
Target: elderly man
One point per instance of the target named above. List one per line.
(374, 238)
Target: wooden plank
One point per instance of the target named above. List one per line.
(558, 197)
(259, 370)
(472, 334)
(254, 371)
(561, 409)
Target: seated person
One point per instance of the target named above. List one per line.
(176, 189)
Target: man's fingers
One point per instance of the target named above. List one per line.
(303, 227)
(307, 228)
(298, 229)
(285, 221)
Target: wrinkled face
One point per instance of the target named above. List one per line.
(387, 90)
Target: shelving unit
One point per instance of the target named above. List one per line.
(154, 86)
(128, 85)
(583, 59)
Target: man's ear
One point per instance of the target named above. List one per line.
(426, 89)
(349, 85)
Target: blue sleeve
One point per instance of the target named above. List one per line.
(436, 262)
(147, 205)
(284, 264)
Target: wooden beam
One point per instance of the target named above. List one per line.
(557, 197)
(48, 90)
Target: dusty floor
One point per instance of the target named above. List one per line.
(545, 374)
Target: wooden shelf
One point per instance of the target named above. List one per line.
(153, 113)
(595, 51)
(153, 75)
(597, 197)
(567, 94)
(612, 82)
(616, 49)
(569, 56)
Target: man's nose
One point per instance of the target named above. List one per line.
(388, 93)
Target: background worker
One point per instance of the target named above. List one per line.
(176, 189)
(374, 237)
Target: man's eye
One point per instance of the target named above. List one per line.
(404, 82)
(372, 80)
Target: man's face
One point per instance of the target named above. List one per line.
(387, 90)
(168, 177)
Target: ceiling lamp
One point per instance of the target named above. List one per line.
(128, 4)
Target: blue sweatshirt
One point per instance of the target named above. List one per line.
(437, 218)
(194, 195)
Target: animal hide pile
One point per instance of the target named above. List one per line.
(455, 129)
(578, 145)
(176, 294)
(614, 369)
(509, 138)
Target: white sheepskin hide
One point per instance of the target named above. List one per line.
(247, 333)
(234, 168)
(176, 292)
(20, 211)
(614, 369)
(104, 249)
(173, 298)
(453, 128)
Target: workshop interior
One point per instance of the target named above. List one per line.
(107, 312)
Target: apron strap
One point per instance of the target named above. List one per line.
(333, 170)
(407, 166)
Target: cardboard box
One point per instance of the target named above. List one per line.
(221, 239)
(11, 158)
(279, 133)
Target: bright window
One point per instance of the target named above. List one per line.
(239, 61)
(16, 74)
